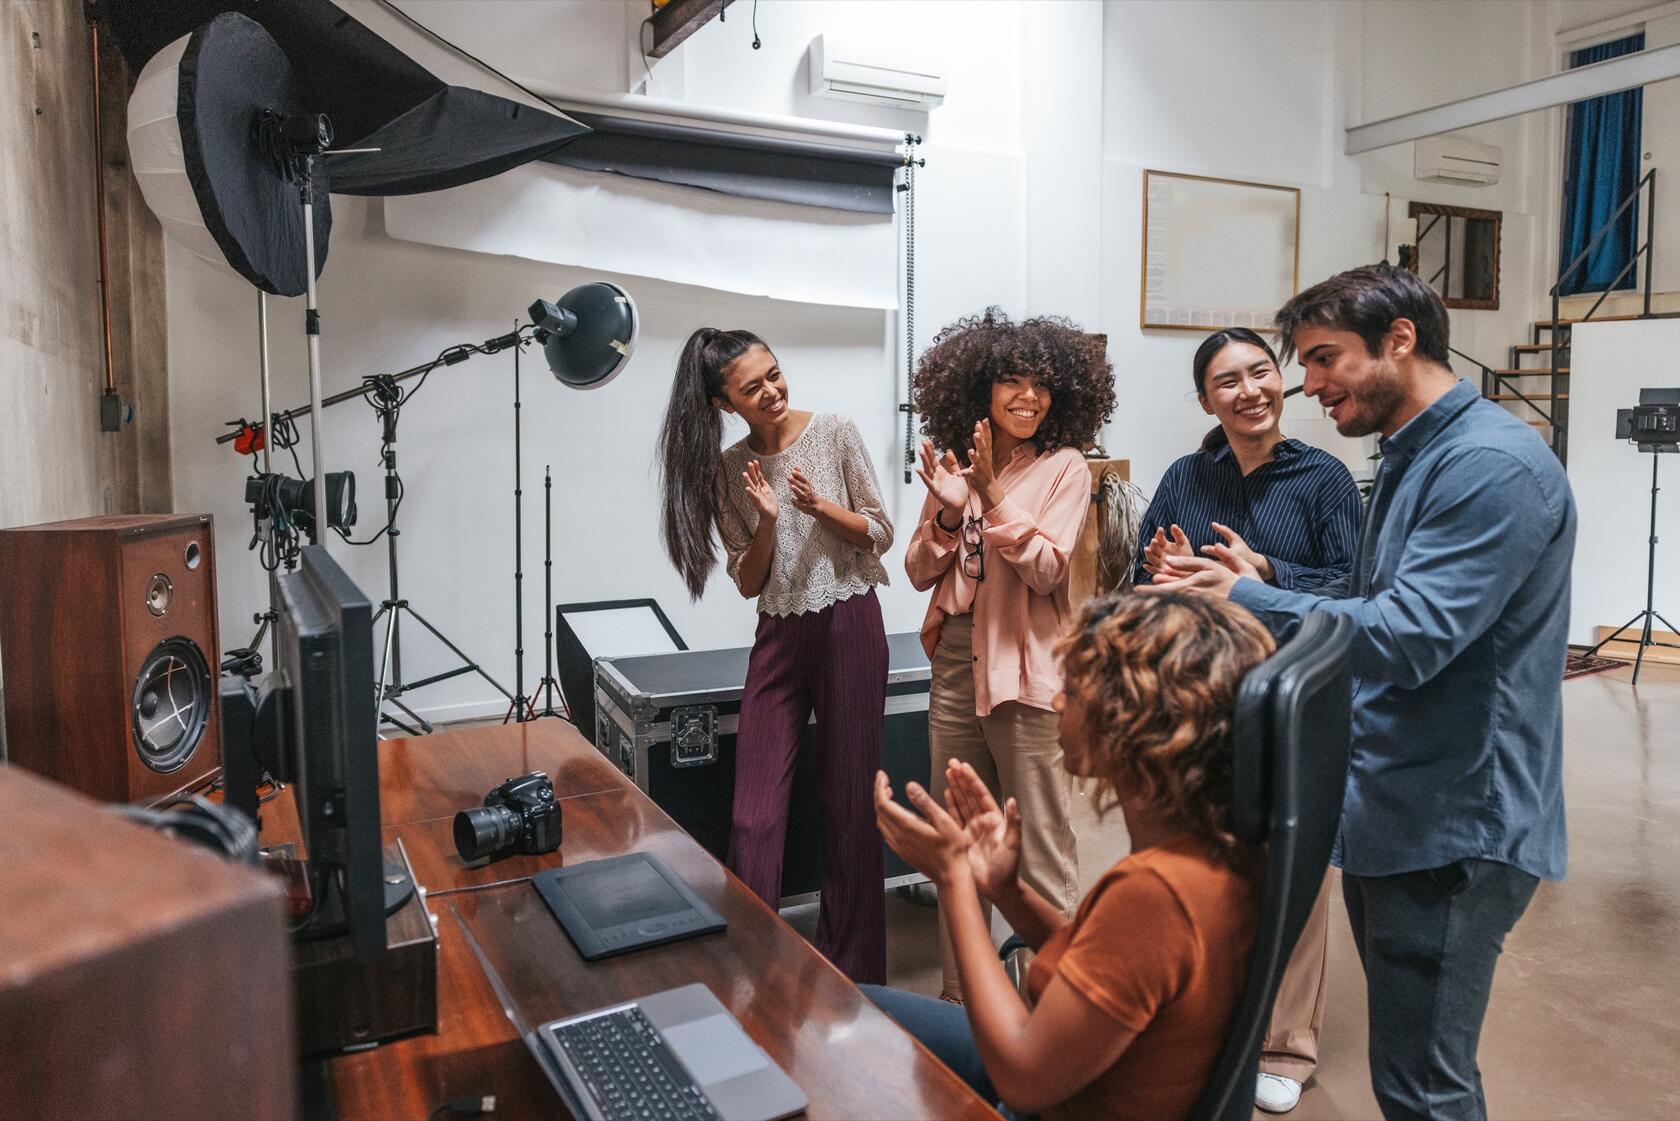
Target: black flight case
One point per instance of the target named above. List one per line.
(669, 720)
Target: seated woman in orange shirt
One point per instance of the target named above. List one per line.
(1132, 996)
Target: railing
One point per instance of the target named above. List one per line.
(1648, 183)
(1493, 381)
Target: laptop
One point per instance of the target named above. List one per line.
(676, 1055)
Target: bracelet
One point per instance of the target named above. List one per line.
(939, 521)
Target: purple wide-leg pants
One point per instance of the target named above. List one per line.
(832, 662)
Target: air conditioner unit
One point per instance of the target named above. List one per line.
(1453, 159)
(875, 74)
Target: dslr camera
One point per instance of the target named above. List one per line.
(520, 815)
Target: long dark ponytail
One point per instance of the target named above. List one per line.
(1206, 353)
(690, 443)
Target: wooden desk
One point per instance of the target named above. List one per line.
(849, 1058)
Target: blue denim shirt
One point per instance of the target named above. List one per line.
(1461, 606)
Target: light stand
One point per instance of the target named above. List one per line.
(1645, 639)
(548, 686)
(312, 329)
(387, 401)
(518, 710)
(247, 660)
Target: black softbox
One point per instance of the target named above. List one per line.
(431, 135)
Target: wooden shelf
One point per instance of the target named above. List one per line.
(1530, 396)
(678, 20)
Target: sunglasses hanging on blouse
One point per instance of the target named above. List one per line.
(974, 549)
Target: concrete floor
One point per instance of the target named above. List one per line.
(1585, 1016)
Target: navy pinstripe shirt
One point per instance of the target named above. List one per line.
(1301, 511)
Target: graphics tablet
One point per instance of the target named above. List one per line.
(623, 903)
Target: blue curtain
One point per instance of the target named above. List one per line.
(1601, 168)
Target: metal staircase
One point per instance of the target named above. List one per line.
(1542, 390)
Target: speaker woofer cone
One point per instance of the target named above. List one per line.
(171, 704)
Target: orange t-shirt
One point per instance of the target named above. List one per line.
(1161, 947)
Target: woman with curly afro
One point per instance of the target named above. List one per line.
(1132, 997)
(1008, 408)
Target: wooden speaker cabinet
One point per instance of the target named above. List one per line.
(109, 646)
(140, 975)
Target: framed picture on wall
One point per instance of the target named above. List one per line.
(1217, 252)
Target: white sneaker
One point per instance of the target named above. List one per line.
(1276, 1094)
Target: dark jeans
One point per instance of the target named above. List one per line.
(942, 1027)
(1429, 941)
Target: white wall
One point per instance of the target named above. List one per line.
(1241, 91)
(388, 305)
(1612, 480)
(1426, 52)
(1030, 199)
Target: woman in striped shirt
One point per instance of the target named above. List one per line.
(1253, 497)
(1250, 493)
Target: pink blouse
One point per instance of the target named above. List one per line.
(1021, 606)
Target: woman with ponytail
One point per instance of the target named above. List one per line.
(798, 510)
(1288, 514)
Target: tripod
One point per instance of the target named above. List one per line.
(387, 402)
(1645, 639)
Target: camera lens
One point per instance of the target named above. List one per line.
(485, 831)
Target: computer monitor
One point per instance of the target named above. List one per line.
(313, 722)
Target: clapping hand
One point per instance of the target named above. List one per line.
(1161, 547)
(1235, 555)
(1200, 575)
(944, 478)
(805, 496)
(982, 476)
(994, 836)
(932, 843)
(760, 494)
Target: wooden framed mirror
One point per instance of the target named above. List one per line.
(1457, 252)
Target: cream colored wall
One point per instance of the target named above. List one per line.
(54, 460)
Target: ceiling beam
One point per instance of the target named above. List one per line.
(1594, 80)
(676, 21)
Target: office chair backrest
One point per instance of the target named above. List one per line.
(1290, 745)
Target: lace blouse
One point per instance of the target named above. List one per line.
(812, 567)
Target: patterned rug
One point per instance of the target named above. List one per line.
(1579, 665)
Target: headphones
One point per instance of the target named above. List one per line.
(221, 829)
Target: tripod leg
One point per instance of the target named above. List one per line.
(1613, 636)
(389, 719)
(412, 715)
(1672, 629)
(385, 658)
(459, 653)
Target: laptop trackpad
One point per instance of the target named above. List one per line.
(714, 1049)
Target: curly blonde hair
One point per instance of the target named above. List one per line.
(1157, 677)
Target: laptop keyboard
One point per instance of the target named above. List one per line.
(629, 1069)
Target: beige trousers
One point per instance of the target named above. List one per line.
(1290, 1048)
(1016, 751)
